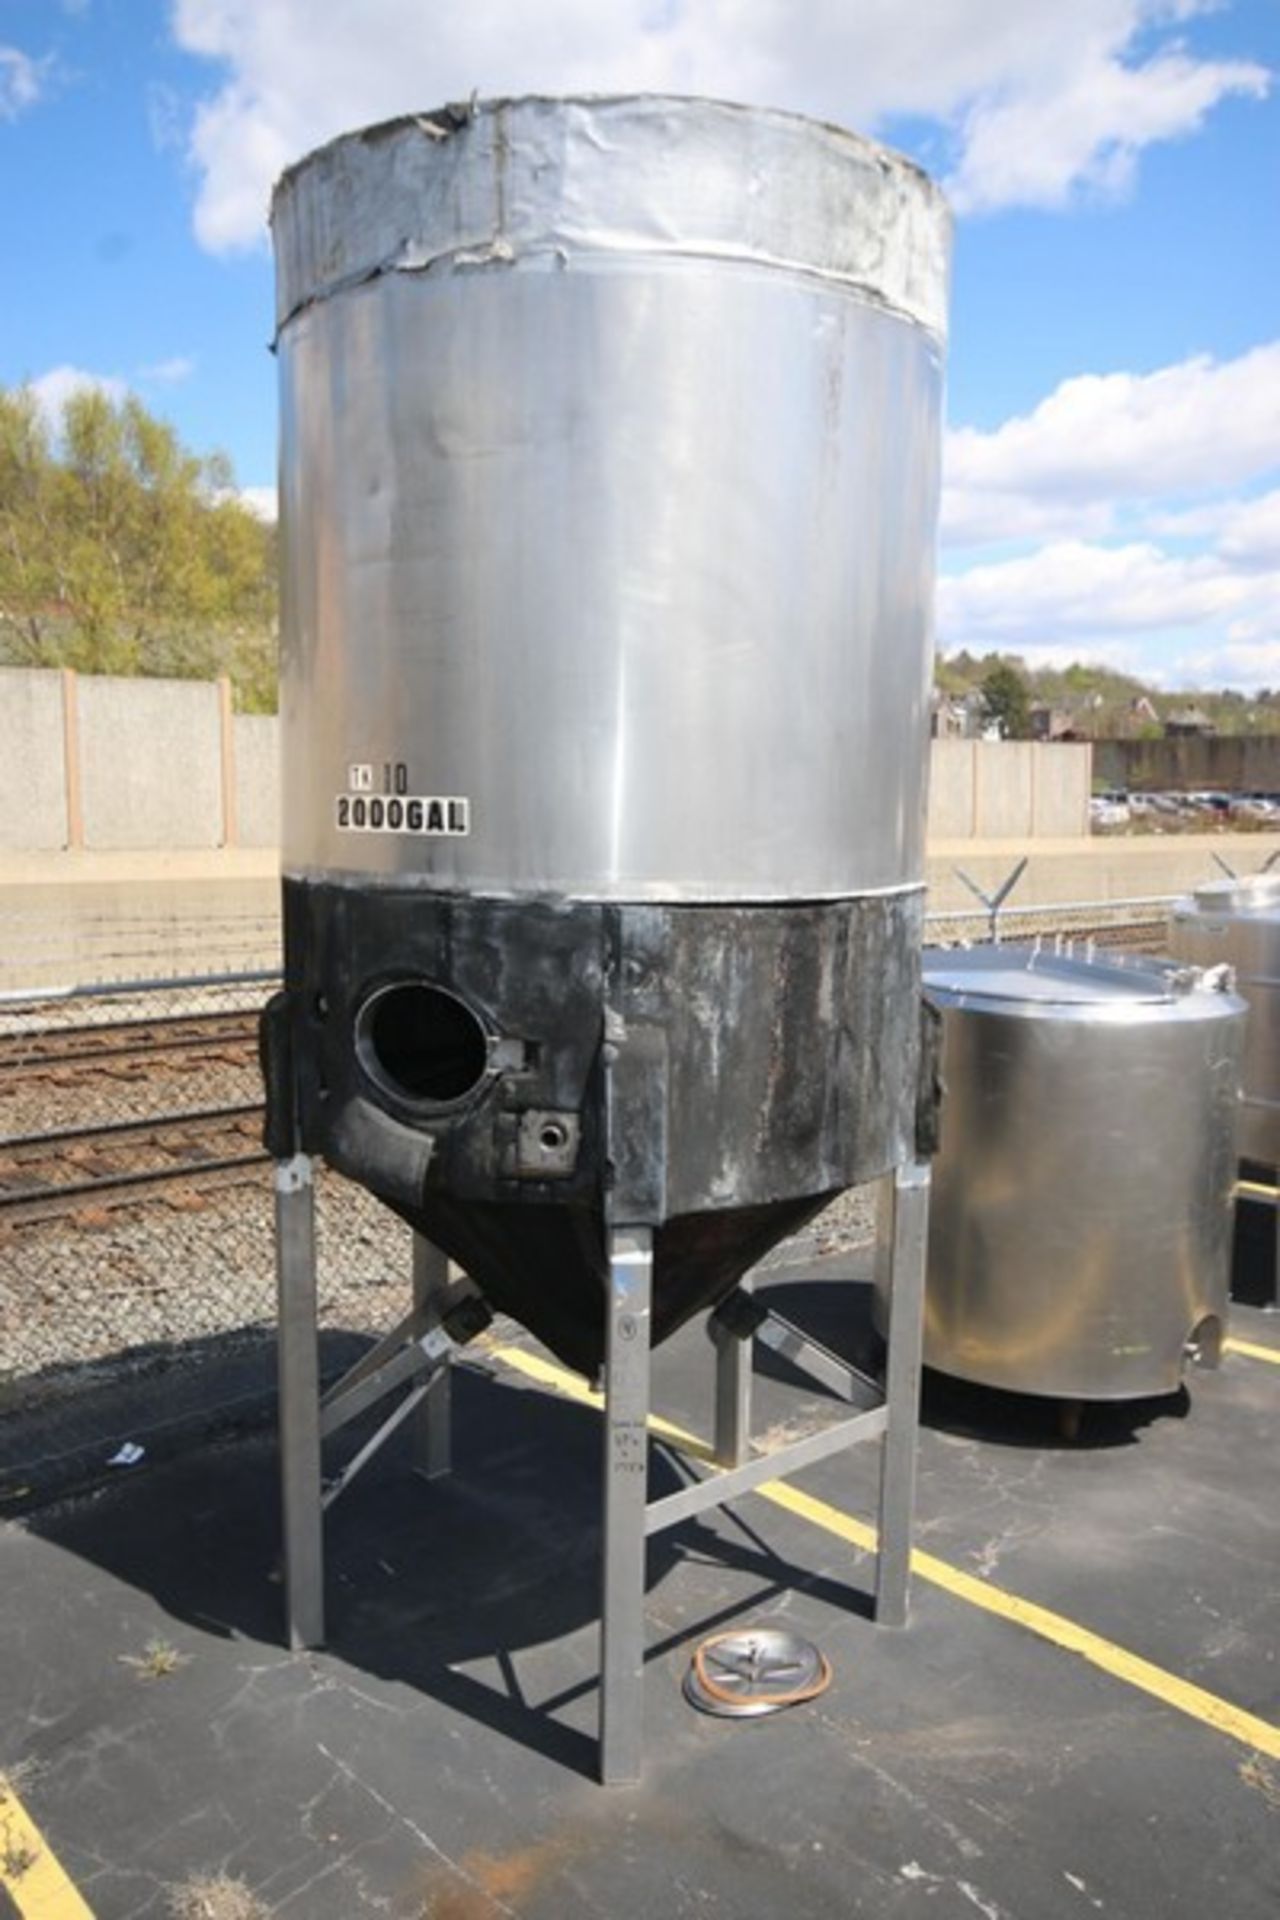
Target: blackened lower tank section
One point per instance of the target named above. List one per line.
(509, 1075)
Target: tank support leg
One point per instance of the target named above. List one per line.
(299, 1364)
(902, 1231)
(626, 1458)
(734, 1354)
(432, 1420)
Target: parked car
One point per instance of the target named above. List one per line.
(1256, 809)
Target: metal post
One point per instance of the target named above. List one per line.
(299, 1387)
(902, 1233)
(734, 1357)
(432, 1419)
(626, 1456)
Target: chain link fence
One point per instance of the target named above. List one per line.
(137, 1283)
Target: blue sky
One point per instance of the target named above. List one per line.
(1113, 460)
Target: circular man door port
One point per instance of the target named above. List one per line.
(421, 1044)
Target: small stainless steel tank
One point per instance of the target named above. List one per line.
(1238, 922)
(1080, 1234)
(609, 476)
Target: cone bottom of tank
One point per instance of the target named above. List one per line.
(547, 1266)
(509, 1076)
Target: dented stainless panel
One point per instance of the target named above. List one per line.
(1080, 1232)
(1237, 923)
(609, 472)
(642, 176)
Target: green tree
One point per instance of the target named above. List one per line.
(1007, 701)
(122, 552)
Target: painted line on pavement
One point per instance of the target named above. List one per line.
(1259, 1735)
(31, 1875)
(1253, 1350)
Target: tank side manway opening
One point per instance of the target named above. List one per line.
(421, 1044)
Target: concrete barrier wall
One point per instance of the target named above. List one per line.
(256, 746)
(151, 763)
(33, 764)
(1009, 790)
(120, 765)
(951, 790)
(1063, 779)
(131, 765)
(1004, 789)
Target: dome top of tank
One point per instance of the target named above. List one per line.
(1034, 981)
(1250, 893)
(647, 175)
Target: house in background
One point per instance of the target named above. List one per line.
(1190, 723)
(958, 717)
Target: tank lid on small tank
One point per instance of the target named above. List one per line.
(1240, 894)
(1030, 979)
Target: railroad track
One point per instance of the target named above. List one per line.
(113, 1047)
(76, 1171)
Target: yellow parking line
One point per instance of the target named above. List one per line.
(30, 1872)
(1259, 1735)
(1254, 1351)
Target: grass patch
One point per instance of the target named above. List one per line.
(215, 1897)
(156, 1661)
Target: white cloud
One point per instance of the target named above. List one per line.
(53, 389)
(166, 118)
(1074, 587)
(22, 81)
(168, 373)
(261, 501)
(1140, 509)
(1033, 101)
(1244, 531)
(1102, 442)
(1248, 664)
(1087, 127)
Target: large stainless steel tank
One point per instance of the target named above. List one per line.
(1238, 922)
(1080, 1232)
(609, 472)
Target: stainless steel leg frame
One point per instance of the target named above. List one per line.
(733, 1389)
(433, 1421)
(902, 1234)
(889, 1413)
(415, 1355)
(626, 1465)
(299, 1373)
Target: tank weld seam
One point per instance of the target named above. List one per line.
(358, 878)
(498, 250)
